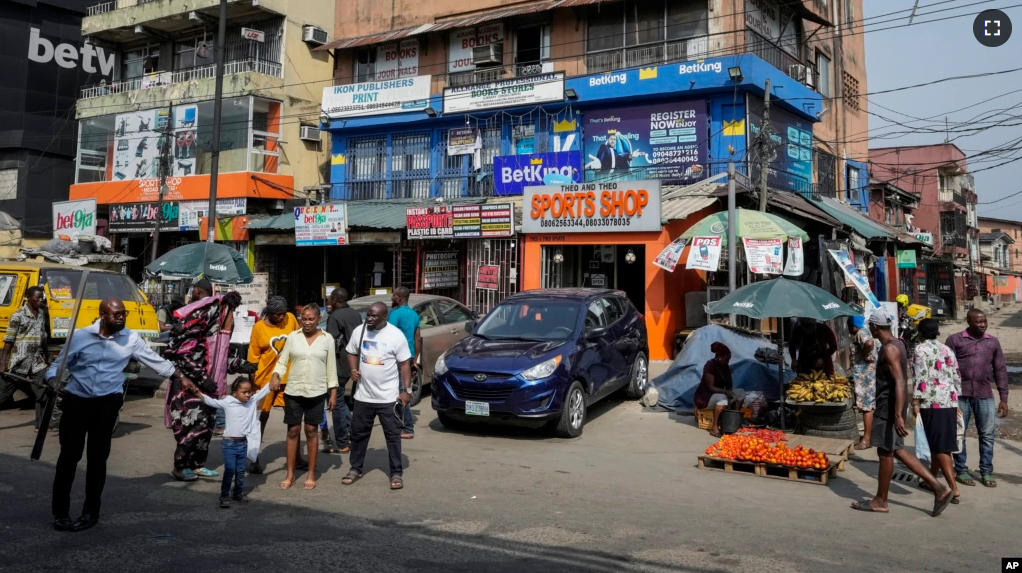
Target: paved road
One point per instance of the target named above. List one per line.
(624, 497)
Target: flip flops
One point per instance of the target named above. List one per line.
(865, 506)
(206, 473)
(988, 480)
(965, 479)
(939, 505)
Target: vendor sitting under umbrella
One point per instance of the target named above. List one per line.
(716, 388)
(812, 347)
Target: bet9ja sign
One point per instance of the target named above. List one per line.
(73, 218)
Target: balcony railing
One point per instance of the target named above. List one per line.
(159, 79)
(780, 59)
(654, 54)
(111, 5)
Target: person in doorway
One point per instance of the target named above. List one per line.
(264, 348)
(341, 323)
(407, 321)
(937, 384)
(812, 347)
(980, 363)
(198, 347)
(889, 429)
(716, 389)
(96, 358)
(864, 373)
(310, 361)
(25, 354)
(379, 357)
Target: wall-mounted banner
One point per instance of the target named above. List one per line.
(74, 218)
(764, 256)
(186, 124)
(192, 211)
(796, 258)
(488, 277)
(513, 173)
(136, 144)
(397, 60)
(429, 222)
(857, 280)
(440, 270)
(459, 53)
(924, 237)
(669, 257)
(665, 141)
(141, 217)
(321, 225)
(621, 206)
(790, 157)
(704, 255)
(375, 98)
(463, 140)
(514, 92)
(907, 260)
(460, 221)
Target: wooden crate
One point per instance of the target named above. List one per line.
(800, 475)
(704, 417)
(729, 466)
(837, 450)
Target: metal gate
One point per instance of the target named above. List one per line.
(499, 253)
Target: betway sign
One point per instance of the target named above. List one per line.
(67, 56)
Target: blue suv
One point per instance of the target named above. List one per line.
(542, 357)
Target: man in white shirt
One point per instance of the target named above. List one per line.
(377, 353)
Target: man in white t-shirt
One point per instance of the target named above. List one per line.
(377, 353)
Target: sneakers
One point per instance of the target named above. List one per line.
(225, 502)
(240, 497)
(184, 475)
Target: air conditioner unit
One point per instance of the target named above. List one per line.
(309, 133)
(488, 55)
(801, 73)
(314, 35)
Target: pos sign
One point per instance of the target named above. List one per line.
(620, 206)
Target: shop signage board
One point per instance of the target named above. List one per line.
(464, 40)
(376, 98)
(704, 255)
(463, 140)
(141, 217)
(397, 60)
(764, 256)
(440, 270)
(74, 218)
(488, 277)
(852, 274)
(191, 212)
(907, 259)
(669, 257)
(612, 207)
(254, 294)
(514, 92)
(666, 141)
(186, 124)
(790, 156)
(796, 258)
(513, 173)
(321, 225)
(925, 237)
(487, 221)
(136, 149)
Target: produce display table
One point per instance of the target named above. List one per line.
(837, 452)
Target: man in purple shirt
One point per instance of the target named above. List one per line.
(981, 362)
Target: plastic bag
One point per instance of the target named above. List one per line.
(756, 402)
(922, 446)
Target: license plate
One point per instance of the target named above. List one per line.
(477, 408)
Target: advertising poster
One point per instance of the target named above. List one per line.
(625, 206)
(190, 212)
(430, 222)
(440, 270)
(459, 53)
(669, 257)
(858, 281)
(136, 144)
(790, 160)
(397, 60)
(666, 141)
(375, 98)
(907, 260)
(142, 217)
(488, 277)
(513, 173)
(796, 258)
(321, 225)
(186, 123)
(463, 140)
(529, 90)
(488, 221)
(74, 218)
(704, 255)
(764, 256)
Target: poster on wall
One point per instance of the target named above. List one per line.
(790, 160)
(858, 281)
(136, 144)
(492, 220)
(192, 211)
(397, 60)
(429, 222)
(464, 40)
(463, 140)
(513, 173)
(374, 98)
(321, 225)
(704, 255)
(488, 277)
(186, 123)
(669, 257)
(796, 258)
(142, 217)
(764, 256)
(74, 218)
(665, 141)
(440, 270)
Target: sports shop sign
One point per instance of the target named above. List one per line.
(621, 206)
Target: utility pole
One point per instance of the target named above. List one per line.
(764, 147)
(167, 133)
(218, 104)
(732, 247)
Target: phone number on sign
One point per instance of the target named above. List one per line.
(614, 222)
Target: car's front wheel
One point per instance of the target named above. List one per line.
(416, 387)
(573, 412)
(640, 377)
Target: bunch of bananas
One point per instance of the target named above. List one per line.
(818, 387)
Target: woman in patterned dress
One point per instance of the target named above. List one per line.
(937, 385)
(864, 369)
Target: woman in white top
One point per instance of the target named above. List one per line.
(311, 356)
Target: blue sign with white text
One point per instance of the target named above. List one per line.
(513, 173)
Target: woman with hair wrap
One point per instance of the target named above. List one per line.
(716, 388)
(199, 344)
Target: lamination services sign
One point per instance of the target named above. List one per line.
(614, 207)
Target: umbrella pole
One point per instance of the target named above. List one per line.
(780, 369)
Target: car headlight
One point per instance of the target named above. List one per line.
(441, 366)
(542, 370)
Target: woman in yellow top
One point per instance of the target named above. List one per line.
(268, 338)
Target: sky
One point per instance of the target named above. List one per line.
(925, 52)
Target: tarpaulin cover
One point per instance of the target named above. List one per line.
(678, 385)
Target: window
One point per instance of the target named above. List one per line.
(826, 172)
(453, 312)
(612, 309)
(823, 68)
(409, 165)
(140, 61)
(851, 91)
(605, 29)
(532, 48)
(889, 215)
(8, 184)
(7, 288)
(365, 65)
(644, 22)
(97, 286)
(686, 20)
(427, 316)
(653, 31)
(852, 184)
(596, 315)
(194, 52)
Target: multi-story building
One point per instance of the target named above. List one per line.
(938, 175)
(158, 106)
(1013, 231)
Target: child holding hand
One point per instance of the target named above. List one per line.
(241, 436)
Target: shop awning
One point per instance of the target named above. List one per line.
(683, 203)
(854, 219)
(800, 206)
(361, 214)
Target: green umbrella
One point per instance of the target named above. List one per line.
(214, 261)
(751, 225)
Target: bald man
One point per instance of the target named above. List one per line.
(96, 358)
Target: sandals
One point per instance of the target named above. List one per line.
(351, 478)
(965, 479)
(331, 450)
(286, 484)
(397, 482)
(865, 506)
(309, 484)
(988, 480)
(939, 505)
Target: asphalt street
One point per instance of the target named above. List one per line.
(626, 496)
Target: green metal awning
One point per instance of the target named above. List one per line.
(858, 222)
